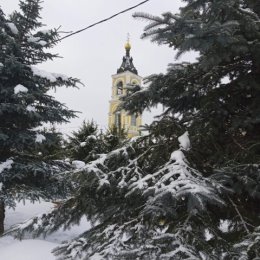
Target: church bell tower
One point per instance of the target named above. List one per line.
(126, 76)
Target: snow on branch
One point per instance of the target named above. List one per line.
(128, 203)
(37, 40)
(13, 28)
(6, 165)
(249, 246)
(52, 77)
(39, 138)
(20, 89)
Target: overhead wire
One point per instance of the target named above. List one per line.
(102, 21)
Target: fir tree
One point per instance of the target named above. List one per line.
(89, 142)
(113, 138)
(25, 106)
(85, 144)
(54, 148)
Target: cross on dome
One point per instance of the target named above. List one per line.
(127, 63)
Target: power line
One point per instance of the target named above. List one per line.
(102, 21)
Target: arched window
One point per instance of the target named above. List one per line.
(119, 88)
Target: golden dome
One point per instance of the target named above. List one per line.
(127, 46)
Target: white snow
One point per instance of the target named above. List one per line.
(178, 116)
(37, 40)
(11, 249)
(33, 39)
(82, 144)
(52, 77)
(125, 237)
(13, 28)
(20, 89)
(93, 137)
(42, 43)
(39, 138)
(225, 80)
(103, 182)
(30, 108)
(178, 156)
(208, 235)
(27, 250)
(6, 165)
(24, 211)
(1, 186)
(34, 249)
(1, 64)
(43, 74)
(224, 225)
(184, 141)
(248, 10)
(189, 36)
(97, 256)
(78, 164)
(46, 31)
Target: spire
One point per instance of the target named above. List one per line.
(127, 63)
(128, 45)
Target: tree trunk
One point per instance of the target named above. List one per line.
(2, 216)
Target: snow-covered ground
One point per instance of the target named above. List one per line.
(34, 249)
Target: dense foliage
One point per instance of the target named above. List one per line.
(136, 213)
(89, 142)
(25, 106)
(85, 143)
(217, 100)
(190, 188)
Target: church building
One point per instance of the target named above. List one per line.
(126, 76)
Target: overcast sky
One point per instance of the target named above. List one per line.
(94, 55)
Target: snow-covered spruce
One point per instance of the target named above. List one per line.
(135, 214)
(25, 105)
(216, 99)
(86, 143)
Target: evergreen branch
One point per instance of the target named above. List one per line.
(253, 145)
(237, 143)
(240, 216)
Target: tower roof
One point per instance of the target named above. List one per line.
(127, 63)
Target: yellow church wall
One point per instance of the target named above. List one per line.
(126, 77)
